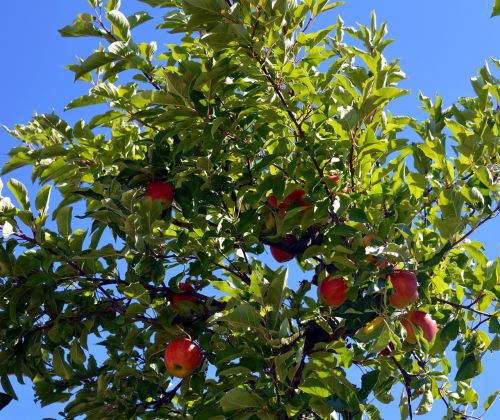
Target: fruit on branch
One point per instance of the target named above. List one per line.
(178, 298)
(368, 239)
(376, 260)
(281, 255)
(182, 357)
(333, 291)
(424, 321)
(405, 291)
(276, 209)
(334, 177)
(272, 201)
(388, 350)
(293, 200)
(159, 190)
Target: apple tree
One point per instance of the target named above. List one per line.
(251, 133)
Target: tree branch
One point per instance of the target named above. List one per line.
(407, 379)
(494, 214)
(468, 307)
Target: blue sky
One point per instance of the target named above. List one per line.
(441, 44)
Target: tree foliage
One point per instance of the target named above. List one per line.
(250, 103)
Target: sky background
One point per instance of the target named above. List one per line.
(441, 44)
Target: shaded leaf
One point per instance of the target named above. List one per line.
(238, 399)
(5, 399)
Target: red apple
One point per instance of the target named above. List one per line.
(388, 350)
(159, 190)
(335, 178)
(294, 199)
(368, 239)
(284, 256)
(424, 321)
(182, 357)
(178, 298)
(405, 291)
(272, 201)
(296, 196)
(333, 291)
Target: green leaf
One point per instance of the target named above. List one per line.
(315, 386)
(416, 183)
(42, 199)
(85, 100)
(137, 291)
(64, 221)
(61, 367)
(425, 403)
(134, 309)
(494, 326)
(368, 381)
(471, 366)
(121, 26)
(496, 9)
(332, 6)
(5, 399)
(242, 317)
(7, 386)
(204, 11)
(490, 400)
(20, 192)
(238, 399)
(82, 26)
(113, 5)
(276, 290)
(130, 339)
(445, 336)
(76, 353)
(403, 405)
(93, 62)
(343, 230)
(138, 18)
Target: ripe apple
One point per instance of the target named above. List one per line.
(368, 239)
(424, 321)
(405, 291)
(333, 291)
(182, 297)
(294, 199)
(388, 350)
(182, 357)
(272, 201)
(335, 178)
(378, 262)
(284, 256)
(159, 190)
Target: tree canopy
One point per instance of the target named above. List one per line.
(252, 133)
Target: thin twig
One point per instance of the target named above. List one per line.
(458, 306)
(407, 379)
(494, 214)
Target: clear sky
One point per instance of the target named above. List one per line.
(441, 44)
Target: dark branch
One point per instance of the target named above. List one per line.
(407, 378)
